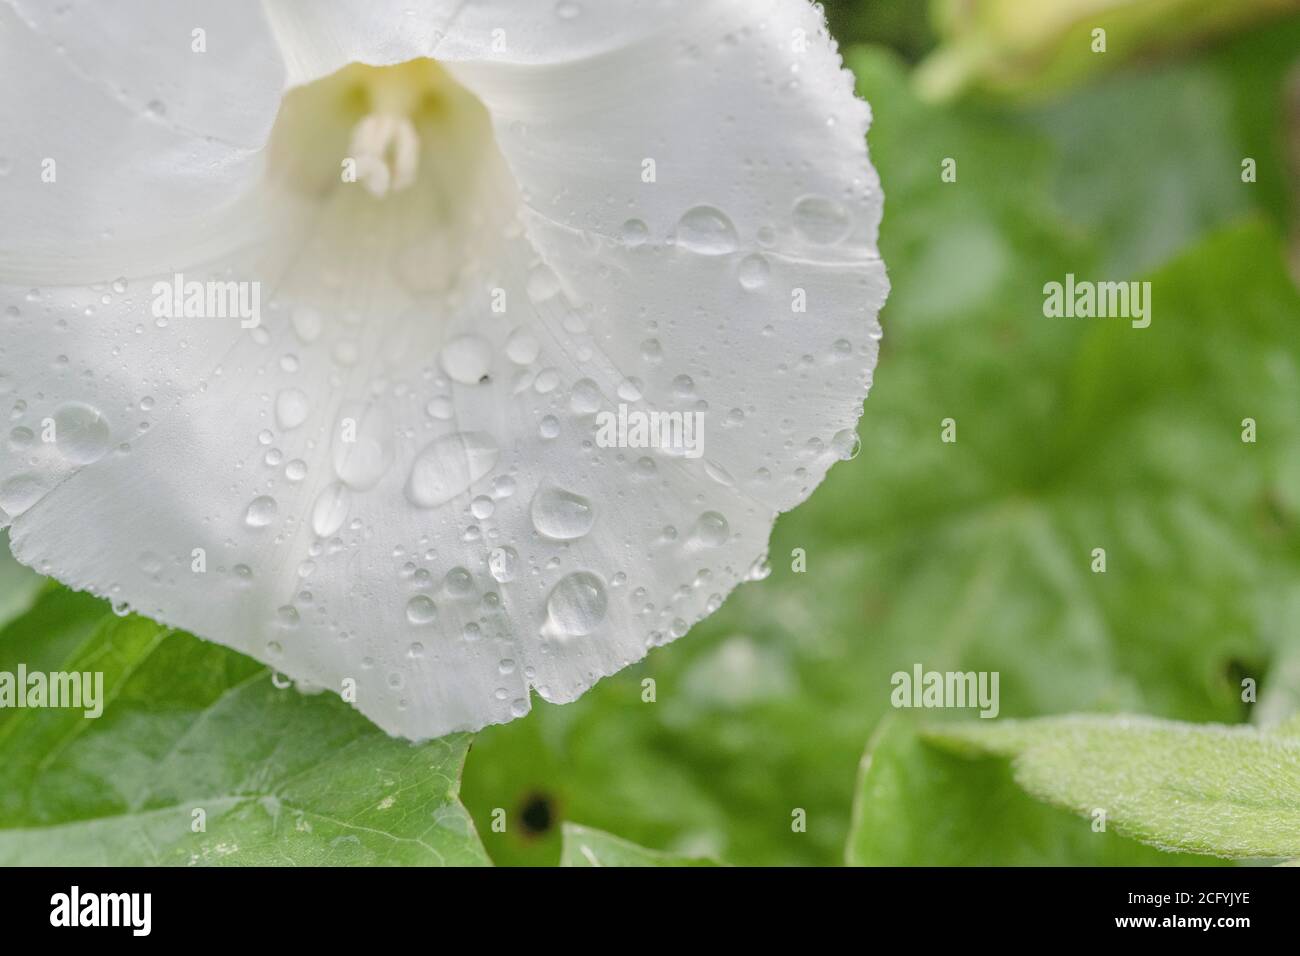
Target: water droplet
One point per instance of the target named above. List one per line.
(585, 397)
(261, 511)
(577, 604)
(362, 446)
(821, 220)
(421, 610)
(568, 9)
(330, 509)
(503, 563)
(440, 408)
(296, 470)
(635, 232)
(81, 433)
(548, 379)
(754, 272)
(307, 324)
(448, 467)
(543, 283)
(706, 231)
(291, 407)
(522, 347)
(459, 583)
(561, 514)
(846, 444)
(467, 359)
(710, 530)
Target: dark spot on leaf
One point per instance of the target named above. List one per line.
(537, 814)
(1237, 669)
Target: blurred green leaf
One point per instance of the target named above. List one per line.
(18, 585)
(584, 846)
(918, 805)
(1029, 48)
(1227, 791)
(281, 777)
(1183, 129)
(902, 25)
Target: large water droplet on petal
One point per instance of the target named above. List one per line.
(467, 359)
(20, 493)
(307, 324)
(448, 466)
(710, 531)
(821, 220)
(362, 446)
(561, 514)
(522, 347)
(577, 604)
(585, 397)
(707, 231)
(846, 444)
(634, 232)
(330, 509)
(421, 609)
(543, 283)
(291, 407)
(261, 511)
(503, 563)
(80, 433)
(754, 272)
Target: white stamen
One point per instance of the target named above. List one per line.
(387, 150)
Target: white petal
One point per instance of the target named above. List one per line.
(472, 539)
(151, 143)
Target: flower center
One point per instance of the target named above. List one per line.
(400, 161)
(387, 151)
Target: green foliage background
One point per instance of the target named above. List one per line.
(1072, 434)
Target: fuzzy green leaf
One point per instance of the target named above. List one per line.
(584, 846)
(1204, 788)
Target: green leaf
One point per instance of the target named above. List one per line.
(18, 585)
(1228, 791)
(584, 846)
(918, 805)
(279, 777)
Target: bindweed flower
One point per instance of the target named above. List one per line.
(435, 352)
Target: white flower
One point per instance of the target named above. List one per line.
(319, 321)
